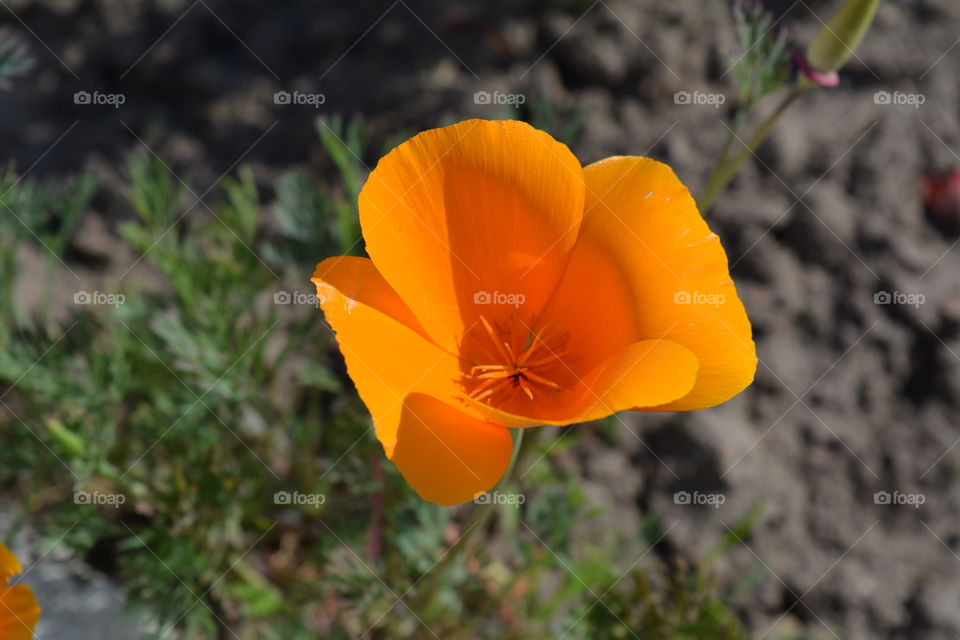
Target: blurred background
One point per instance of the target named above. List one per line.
(176, 168)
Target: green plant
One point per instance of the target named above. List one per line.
(193, 408)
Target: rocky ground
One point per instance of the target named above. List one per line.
(854, 395)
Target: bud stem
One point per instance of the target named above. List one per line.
(724, 170)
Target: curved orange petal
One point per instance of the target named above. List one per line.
(447, 456)
(593, 301)
(386, 354)
(9, 565)
(19, 613)
(642, 374)
(19, 610)
(661, 274)
(358, 279)
(479, 207)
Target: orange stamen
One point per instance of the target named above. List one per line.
(516, 368)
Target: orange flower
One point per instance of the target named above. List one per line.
(19, 610)
(508, 286)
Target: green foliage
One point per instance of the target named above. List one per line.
(345, 145)
(764, 64)
(317, 220)
(48, 210)
(200, 400)
(544, 113)
(15, 57)
(762, 68)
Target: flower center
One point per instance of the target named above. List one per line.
(522, 360)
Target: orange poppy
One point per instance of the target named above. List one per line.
(19, 610)
(507, 286)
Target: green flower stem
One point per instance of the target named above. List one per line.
(725, 169)
(517, 444)
(477, 520)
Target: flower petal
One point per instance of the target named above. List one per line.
(9, 565)
(644, 374)
(19, 612)
(447, 456)
(642, 240)
(386, 353)
(478, 207)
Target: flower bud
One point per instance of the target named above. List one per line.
(837, 40)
